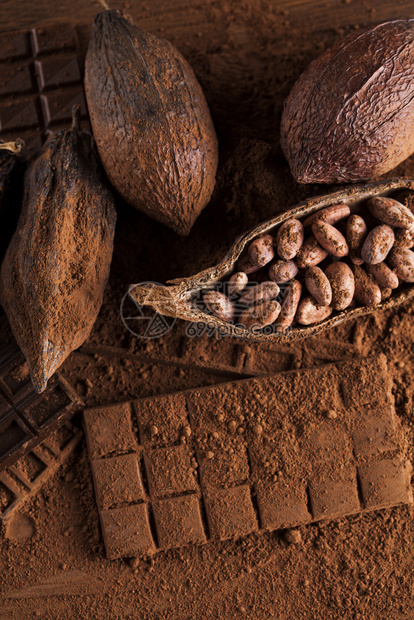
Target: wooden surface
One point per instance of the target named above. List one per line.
(178, 16)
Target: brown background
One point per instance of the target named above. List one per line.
(247, 54)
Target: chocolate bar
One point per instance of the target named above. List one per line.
(259, 454)
(20, 482)
(40, 81)
(26, 417)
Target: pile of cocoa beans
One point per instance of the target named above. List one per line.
(331, 261)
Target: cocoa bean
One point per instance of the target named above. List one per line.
(377, 244)
(356, 231)
(342, 283)
(289, 239)
(257, 317)
(391, 212)
(283, 270)
(330, 239)
(309, 312)
(289, 305)
(318, 285)
(311, 253)
(219, 305)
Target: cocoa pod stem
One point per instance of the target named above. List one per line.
(15, 147)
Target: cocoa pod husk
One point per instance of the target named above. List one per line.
(349, 116)
(151, 122)
(181, 298)
(55, 269)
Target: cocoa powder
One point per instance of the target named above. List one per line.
(247, 57)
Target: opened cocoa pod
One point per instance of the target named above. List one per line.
(56, 267)
(151, 122)
(299, 301)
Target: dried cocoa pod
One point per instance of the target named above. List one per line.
(55, 270)
(179, 298)
(347, 117)
(151, 122)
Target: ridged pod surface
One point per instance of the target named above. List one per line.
(151, 122)
(55, 269)
(349, 116)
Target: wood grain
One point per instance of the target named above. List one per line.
(182, 16)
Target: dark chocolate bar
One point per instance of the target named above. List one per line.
(259, 454)
(40, 81)
(20, 482)
(26, 417)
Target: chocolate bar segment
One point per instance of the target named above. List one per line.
(260, 454)
(40, 81)
(21, 481)
(27, 418)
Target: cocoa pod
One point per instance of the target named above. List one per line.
(151, 122)
(55, 270)
(347, 117)
(179, 298)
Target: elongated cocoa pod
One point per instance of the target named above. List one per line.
(151, 122)
(56, 267)
(349, 116)
(180, 299)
